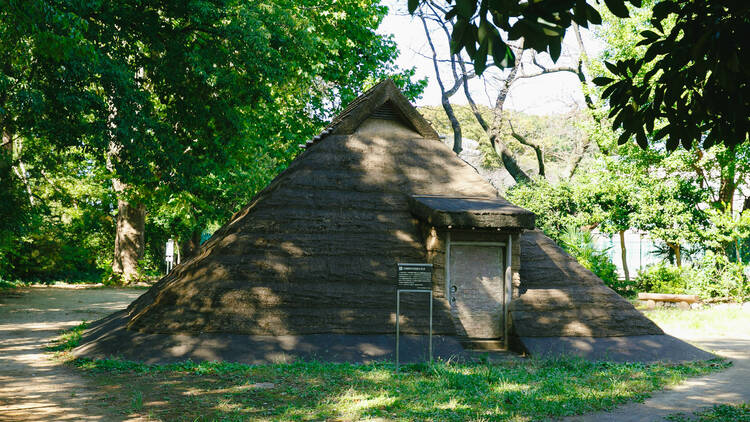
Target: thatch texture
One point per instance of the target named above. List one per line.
(316, 251)
(559, 297)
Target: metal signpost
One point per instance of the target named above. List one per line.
(169, 255)
(413, 278)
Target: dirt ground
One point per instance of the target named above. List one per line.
(731, 386)
(34, 387)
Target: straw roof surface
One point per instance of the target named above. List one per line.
(316, 250)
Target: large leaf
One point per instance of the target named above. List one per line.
(618, 8)
(413, 5)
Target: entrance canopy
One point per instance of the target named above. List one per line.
(469, 212)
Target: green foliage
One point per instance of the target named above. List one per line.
(480, 25)
(555, 205)
(718, 277)
(663, 278)
(580, 244)
(10, 284)
(68, 230)
(193, 106)
(690, 86)
(533, 389)
(69, 339)
(713, 276)
(718, 413)
(13, 208)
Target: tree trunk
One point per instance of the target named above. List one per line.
(191, 245)
(537, 149)
(6, 152)
(509, 160)
(129, 240)
(20, 168)
(677, 258)
(445, 94)
(6, 142)
(130, 225)
(455, 125)
(624, 256)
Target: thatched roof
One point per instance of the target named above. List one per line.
(462, 212)
(559, 297)
(316, 250)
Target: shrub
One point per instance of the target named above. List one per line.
(580, 244)
(663, 278)
(718, 277)
(713, 276)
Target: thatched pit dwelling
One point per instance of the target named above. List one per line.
(312, 260)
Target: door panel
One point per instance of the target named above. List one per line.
(477, 292)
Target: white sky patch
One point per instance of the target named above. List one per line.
(546, 94)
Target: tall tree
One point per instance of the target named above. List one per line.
(691, 86)
(696, 64)
(528, 65)
(180, 97)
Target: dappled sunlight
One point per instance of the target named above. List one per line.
(34, 386)
(352, 403)
(729, 321)
(534, 389)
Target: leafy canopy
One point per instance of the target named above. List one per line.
(540, 24)
(193, 105)
(692, 84)
(697, 86)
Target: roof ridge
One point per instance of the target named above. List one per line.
(382, 92)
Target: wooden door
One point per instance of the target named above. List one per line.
(477, 289)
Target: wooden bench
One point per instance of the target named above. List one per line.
(683, 301)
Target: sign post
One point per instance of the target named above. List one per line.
(413, 278)
(169, 255)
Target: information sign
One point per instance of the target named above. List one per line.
(415, 276)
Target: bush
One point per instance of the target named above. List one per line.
(663, 278)
(713, 276)
(580, 244)
(718, 277)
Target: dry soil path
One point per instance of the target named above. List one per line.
(731, 386)
(32, 386)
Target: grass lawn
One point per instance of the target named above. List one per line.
(739, 413)
(716, 321)
(519, 390)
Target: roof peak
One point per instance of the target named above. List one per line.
(368, 104)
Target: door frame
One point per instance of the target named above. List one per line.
(507, 273)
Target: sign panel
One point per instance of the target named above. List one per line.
(169, 255)
(415, 277)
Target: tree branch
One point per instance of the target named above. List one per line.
(537, 148)
(445, 97)
(578, 157)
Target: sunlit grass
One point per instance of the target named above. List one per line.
(531, 389)
(730, 321)
(718, 413)
(68, 339)
(10, 284)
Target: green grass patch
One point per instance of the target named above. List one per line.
(11, 284)
(718, 413)
(522, 390)
(716, 321)
(68, 339)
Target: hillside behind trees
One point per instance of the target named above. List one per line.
(560, 137)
